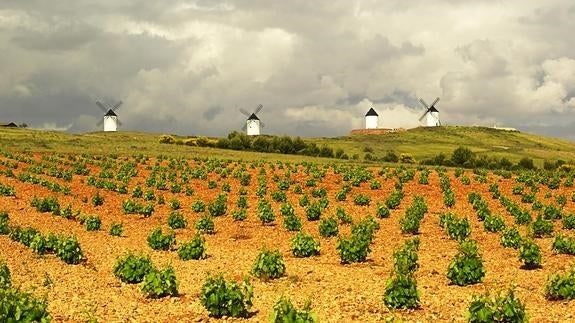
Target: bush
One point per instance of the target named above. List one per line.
(405, 258)
(285, 311)
(269, 265)
(457, 228)
(5, 278)
(116, 229)
(304, 245)
(19, 306)
(132, 268)
(564, 245)
(493, 223)
(222, 298)
(265, 212)
(97, 200)
(239, 214)
(342, 216)
(92, 222)
(4, 222)
(568, 222)
(219, 206)
(499, 309)
(198, 206)
(166, 139)
(195, 249)
(362, 200)
(511, 238)
(68, 250)
(541, 228)
(176, 220)
(561, 287)
(530, 254)
(158, 284)
(467, 266)
(157, 240)
(401, 292)
(382, 211)
(353, 249)
(313, 211)
(205, 224)
(328, 227)
(461, 156)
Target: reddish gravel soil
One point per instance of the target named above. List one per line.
(339, 293)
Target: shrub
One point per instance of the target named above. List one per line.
(240, 214)
(461, 155)
(219, 206)
(116, 229)
(353, 249)
(265, 212)
(493, 223)
(568, 222)
(541, 227)
(5, 278)
(561, 286)
(97, 199)
(564, 245)
(269, 265)
(382, 211)
(530, 254)
(195, 249)
(511, 238)
(92, 222)
(304, 245)
(550, 212)
(19, 306)
(313, 211)
(505, 308)
(68, 250)
(157, 240)
(467, 266)
(176, 220)
(222, 298)
(457, 228)
(132, 268)
(401, 292)
(159, 284)
(175, 204)
(205, 224)
(394, 199)
(198, 206)
(361, 199)
(342, 216)
(328, 227)
(405, 258)
(4, 222)
(285, 311)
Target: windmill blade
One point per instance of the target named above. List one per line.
(100, 123)
(262, 124)
(114, 108)
(119, 122)
(434, 102)
(245, 127)
(437, 119)
(423, 116)
(258, 109)
(244, 112)
(101, 106)
(423, 102)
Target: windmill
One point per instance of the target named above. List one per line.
(431, 114)
(110, 119)
(371, 119)
(253, 123)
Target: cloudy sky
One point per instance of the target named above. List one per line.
(185, 66)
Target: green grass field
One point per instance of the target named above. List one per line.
(421, 143)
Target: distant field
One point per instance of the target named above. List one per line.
(421, 143)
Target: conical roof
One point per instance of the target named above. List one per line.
(433, 109)
(253, 117)
(371, 112)
(110, 113)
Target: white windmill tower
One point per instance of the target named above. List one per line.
(110, 119)
(371, 119)
(253, 123)
(430, 117)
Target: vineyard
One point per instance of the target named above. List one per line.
(158, 238)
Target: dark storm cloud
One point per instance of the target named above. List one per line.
(185, 66)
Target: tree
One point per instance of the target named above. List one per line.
(461, 155)
(526, 163)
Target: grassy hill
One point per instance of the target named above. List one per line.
(421, 143)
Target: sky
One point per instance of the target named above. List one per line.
(186, 67)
